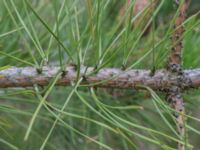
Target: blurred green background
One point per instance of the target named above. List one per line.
(44, 32)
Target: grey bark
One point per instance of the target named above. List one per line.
(106, 77)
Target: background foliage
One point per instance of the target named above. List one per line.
(45, 32)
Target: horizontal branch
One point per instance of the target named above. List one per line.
(107, 77)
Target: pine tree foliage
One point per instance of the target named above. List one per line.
(45, 42)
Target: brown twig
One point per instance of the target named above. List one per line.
(175, 69)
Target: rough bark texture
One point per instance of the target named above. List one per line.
(107, 77)
(175, 69)
(174, 64)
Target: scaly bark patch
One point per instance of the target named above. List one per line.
(175, 70)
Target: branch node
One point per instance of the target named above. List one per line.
(39, 70)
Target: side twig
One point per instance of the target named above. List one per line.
(175, 69)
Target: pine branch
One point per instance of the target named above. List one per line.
(175, 69)
(107, 78)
